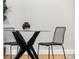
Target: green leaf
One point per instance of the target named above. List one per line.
(4, 10)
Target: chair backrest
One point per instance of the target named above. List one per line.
(19, 39)
(59, 35)
(8, 36)
(33, 38)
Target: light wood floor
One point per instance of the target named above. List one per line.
(44, 57)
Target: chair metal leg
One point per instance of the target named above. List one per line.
(17, 49)
(10, 52)
(52, 51)
(64, 52)
(4, 52)
(49, 52)
(38, 49)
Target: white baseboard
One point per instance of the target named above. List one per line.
(44, 51)
(57, 51)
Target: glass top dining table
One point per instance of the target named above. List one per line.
(20, 30)
(26, 30)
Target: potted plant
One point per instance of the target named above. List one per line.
(26, 25)
(4, 10)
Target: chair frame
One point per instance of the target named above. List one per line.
(54, 45)
(11, 44)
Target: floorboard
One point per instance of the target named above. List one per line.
(44, 57)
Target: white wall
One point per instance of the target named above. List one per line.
(44, 15)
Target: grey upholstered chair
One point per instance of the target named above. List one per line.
(58, 40)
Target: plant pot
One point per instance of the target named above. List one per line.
(26, 25)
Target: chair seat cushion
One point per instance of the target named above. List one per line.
(49, 43)
(10, 43)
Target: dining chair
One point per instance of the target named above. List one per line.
(11, 44)
(58, 40)
(26, 46)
